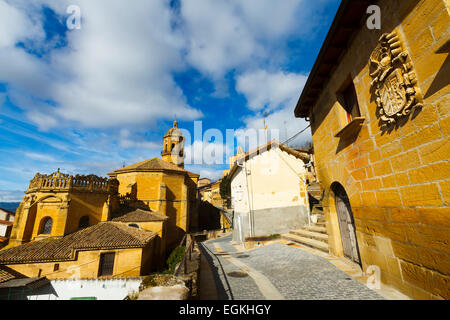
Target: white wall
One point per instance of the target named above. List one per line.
(102, 289)
(3, 230)
(274, 181)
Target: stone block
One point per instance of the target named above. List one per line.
(382, 168)
(439, 217)
(421, 195)
(436, 238)
(440, 25)
(434, 260)
(420, 137)
(391, 149)
(405, 161)
(445, 189)
(388, 198)
(432, 172)
(417, 275)
(405, 215)
(435, 151)
(389, 181)
(441, 285)
(371, 184)
(405, 251)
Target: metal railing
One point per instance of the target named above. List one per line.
(190, 243)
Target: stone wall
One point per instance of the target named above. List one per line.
(398, 179)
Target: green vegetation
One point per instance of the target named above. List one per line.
(274, 236)
(225, 188)
(175, 257)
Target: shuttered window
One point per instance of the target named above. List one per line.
(106, 267)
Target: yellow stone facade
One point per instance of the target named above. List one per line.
(397, 178)
(163, 186)
(127, 263)
(65, 200)
(76, 204)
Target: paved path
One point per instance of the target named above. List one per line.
(277, 271)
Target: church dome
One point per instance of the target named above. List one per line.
(174, 131)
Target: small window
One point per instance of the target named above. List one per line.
(56, 267)
(46, 225)
(106, 266)
(84, 222)
(133, 225)
(350, 102)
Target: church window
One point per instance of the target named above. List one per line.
(46, 225)
(106, 266)
(84, 222)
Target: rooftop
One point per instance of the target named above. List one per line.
(103, 235)
(154, 164)
(141, 215)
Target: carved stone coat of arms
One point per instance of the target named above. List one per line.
(393, 81)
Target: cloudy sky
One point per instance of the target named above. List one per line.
(90, 100)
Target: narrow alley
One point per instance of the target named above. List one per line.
(275, 271)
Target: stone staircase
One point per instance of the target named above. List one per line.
(315, 235)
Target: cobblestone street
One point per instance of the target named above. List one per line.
(277, 271)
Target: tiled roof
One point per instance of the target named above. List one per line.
(31, 283)
(103, 235)
(7, 274)
(140, 215)
(154, 164)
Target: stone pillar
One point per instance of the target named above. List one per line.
(106, 209)
(162, 199)
(60, 227)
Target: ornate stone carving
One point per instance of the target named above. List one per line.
(393, 80)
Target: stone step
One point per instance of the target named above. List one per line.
(310, 234)
(320, 224)
(315, 228)
(320, 245)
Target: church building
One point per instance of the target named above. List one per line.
(88, 226)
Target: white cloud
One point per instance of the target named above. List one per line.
(206, 153)
(117, 70)
(270, 90)
(11, 195)
(224, 35)
(275, 93)
(127, 141)
(40, 157)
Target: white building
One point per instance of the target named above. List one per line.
(268, 191)
(6, 223)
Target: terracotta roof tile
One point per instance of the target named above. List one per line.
(155, 164)
(140, 215)
(104, 235)
(7, 274)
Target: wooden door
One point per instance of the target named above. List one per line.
(347, 225)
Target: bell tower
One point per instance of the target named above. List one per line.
(173, 146)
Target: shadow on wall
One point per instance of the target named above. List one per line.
(209, 216)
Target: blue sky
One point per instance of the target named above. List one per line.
(90, 100)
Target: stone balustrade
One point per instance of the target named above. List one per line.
(65, 182)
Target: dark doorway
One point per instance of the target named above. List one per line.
(346, 224)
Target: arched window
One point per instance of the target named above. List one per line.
(84, 222)
(46, 225)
